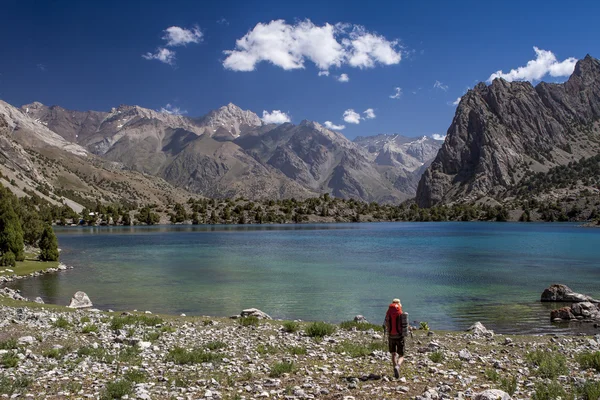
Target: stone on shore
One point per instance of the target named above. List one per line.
(492, 394)
(478, 330)
(80, 300)
(361, 319)
(584, 311)
(254, 312)
(559, 292)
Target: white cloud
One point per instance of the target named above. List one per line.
(545, 63)
(275, 117)
(351, 116)
(369, 113)
(177, 36)
(437, 136)
(290, 46)
(455, 102)
(440, 85)
(41, 67)
(163, 55)
(397, 94)
(343, 78)
(223, 21)
(323, 73)
(172, 110)
(332, 126)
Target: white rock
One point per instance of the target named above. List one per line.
(492, 394)
(27, 340)
(80, 300)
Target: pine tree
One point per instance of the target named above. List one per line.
(48, 245)
(11, 233)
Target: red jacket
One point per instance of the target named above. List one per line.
(393, 322)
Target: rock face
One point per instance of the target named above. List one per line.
(80, 300)
(502, 131)
(562, 293)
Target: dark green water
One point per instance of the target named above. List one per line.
(448, 274)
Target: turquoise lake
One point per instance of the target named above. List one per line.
(448, 274)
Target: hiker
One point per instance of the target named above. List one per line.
(395, 331)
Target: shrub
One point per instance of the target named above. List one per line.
(589, 360)
(297, 350)
(436, 356)
(62, 323)
(181, 356)
(281, 368)
(549, 364)
(291, 326)
(424, 326)
(590, 390)
(250, 320)
(9, 360)
(360, 326)
(320, 329)
(549, 391)
(8, 259)
(117, 389)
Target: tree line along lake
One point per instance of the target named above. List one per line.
(448, 274)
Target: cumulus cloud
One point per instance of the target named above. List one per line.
(437, 136)
(351, 116)
(545, 63)
(369, 113)
(343, 78)
(177, 36)
(162, 54)
(440, 85)
(323, 73)
(397, 94)
(290, 46)
(172, 110)
(332, 126)
(275, 117)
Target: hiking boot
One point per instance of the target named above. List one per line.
(397, 371)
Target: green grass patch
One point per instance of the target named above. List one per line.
(117, 389)
(549, 364)
(130, 355)
(62, 323)
(360, 326)
(297, 350)
(266, 349)
(291, 326)
(9, 344)
(491, 374)
(508, 384)
(319, 329)
(9, 360)
(10, 386)
(436, 356)
(84, 320)
(181, 356)
(215, 345)
(99, 354)
(549, 391)
(89, 328)
(250, 320)
(589, 360)
(590, 390)
(55, 353)
(120, 321)
(280, 368)
(135, 376)
(356, 350)
(152, 336)
(29, 266)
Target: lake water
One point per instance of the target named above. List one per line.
(448, 274)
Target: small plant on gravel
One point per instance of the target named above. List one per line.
(152, 336)
(508, 384)
(84, 320)
(117, 389)
(424, 326)
(266, 349)
(436, 356)
(280, 368)
(62, 323)
(135, 376)
(455, 364)
(590, 390)
(167, 329)
(250, 320)
(215, 345)
(291, 326)
(99, 354)
(589, 360)
(549, 364)
(319, 329)
(10, 386)
(356, 350)
(9, 360)
(89, 328)
(181, 356)
(549, 391)
(360, 326)
(297, 350)
(491, 374)
(119, 322)
(53, 353)
(130, 355)
(9, 344)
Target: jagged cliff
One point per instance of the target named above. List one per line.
(507, 130)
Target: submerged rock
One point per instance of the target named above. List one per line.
(559, 292)
(80, 300)
(584, 311)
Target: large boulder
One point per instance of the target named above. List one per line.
(480, 331)
(559, 292)
(80, 300)
(584, 311)
(254, 312)
(492, 394)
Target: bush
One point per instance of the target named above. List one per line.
(549, 364)
(589, 360)
(8, 259)
(549, 391)
(320, 329)
(291, 326)
(281, 368)
(436, 356)
(250, 320)
(360, 326)
(181, 356)
(117, 389)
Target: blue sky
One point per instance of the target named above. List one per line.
(88, 55)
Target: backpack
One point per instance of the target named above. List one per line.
(394, 320)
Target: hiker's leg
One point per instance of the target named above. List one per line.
(394, 362)
(400, 360)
